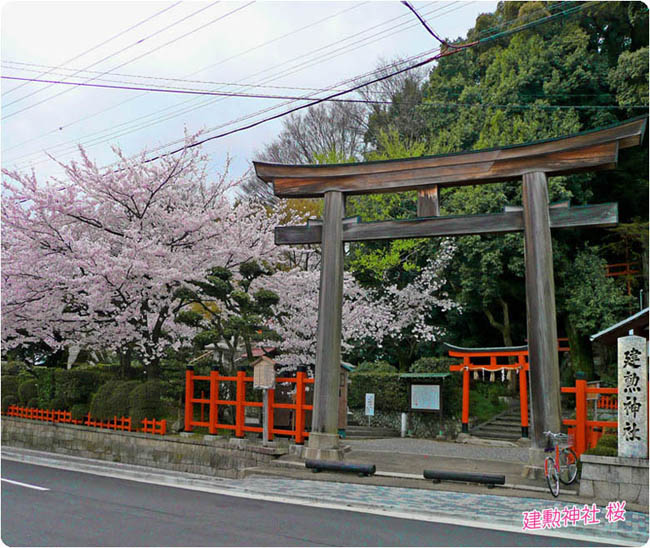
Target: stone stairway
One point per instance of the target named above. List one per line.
(504, 426)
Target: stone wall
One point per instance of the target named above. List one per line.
(608, 479)
(420, 425)
(193, 454)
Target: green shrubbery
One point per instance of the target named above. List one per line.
(390, 392)
(484, 400)
(8, 400)
(79, 411)
(9, 385)
(607, 446)
(145, 401)
(27, 391)
(112, 400)
(76, 385)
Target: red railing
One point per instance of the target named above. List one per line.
(149, 426)
(581, 430)
(213, 401)
(621, 269)
(607, 402)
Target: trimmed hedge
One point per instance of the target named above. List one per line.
(8, 400)
(27, 391)
(145, 402)
(57, 403)
(9, 385)
(46, 386)
(76, 385)
(391, 394)
(79, 411)
(607, 446)
(99, 405)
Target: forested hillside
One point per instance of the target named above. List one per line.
(585, 68)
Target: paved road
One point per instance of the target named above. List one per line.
(80, 509)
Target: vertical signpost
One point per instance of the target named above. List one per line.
(632, 397)
(370, 406)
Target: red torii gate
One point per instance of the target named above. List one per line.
(508, 352)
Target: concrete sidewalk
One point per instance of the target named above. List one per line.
(489, 511)
(401, 462)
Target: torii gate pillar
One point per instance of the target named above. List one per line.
(324, 439)
(540, 309)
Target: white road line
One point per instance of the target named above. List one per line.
(28, 485)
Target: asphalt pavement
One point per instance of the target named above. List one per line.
(46, 506)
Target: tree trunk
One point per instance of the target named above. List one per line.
(125, 356)
(506, 333)
(504, 326)
(581, 354)
(153, 369)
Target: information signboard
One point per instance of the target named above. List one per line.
(370, 405)
(425, 397)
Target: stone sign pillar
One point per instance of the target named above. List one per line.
(632, 397)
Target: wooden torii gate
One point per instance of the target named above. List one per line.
(532, 162)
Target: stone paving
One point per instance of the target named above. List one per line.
(441, 449)
(489, 509)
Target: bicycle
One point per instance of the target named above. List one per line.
(564, 467)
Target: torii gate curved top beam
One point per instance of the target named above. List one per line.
(587, 151)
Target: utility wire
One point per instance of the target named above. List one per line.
(355, 88)
(430, 30)
(96, 47)
(304, 98)
(249, 50)
(150, 51)
(343, 51)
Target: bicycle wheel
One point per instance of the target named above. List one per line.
(552, 477)
(568, 466)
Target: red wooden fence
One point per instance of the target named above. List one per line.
(581, 430)
(213, 401)
(149, 426)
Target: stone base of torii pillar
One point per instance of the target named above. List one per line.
(323, 447)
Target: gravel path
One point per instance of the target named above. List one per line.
(441, 449)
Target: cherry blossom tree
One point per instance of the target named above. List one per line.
(398, 313)
(99, 258)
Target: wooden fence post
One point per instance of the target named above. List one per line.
(213, 416)
(465, 410)
(523, 396)
(581, 414)
(300, 402)
(239, 405)
(189, 395)
(270, 418)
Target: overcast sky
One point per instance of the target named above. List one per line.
(289, 44)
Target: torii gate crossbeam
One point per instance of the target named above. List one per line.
(531, 162)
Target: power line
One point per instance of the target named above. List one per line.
(430, 30)
(338, 94)
(97, 46)
(295, 69)
(307, 98)
(263, 44)
(150, 51)
(144, 77)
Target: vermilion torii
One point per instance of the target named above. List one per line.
(531, 162)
